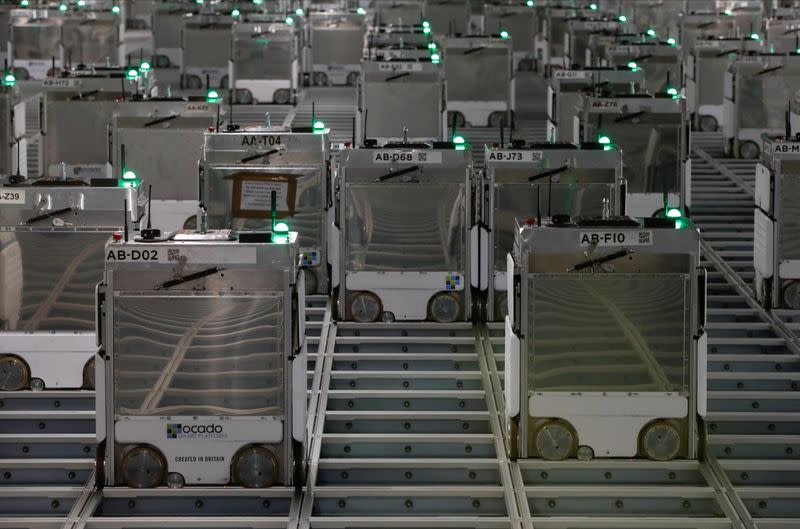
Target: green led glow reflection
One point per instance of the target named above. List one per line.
(674, 213)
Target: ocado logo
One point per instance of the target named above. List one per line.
(174, 431)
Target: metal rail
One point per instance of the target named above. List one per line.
(753, 355)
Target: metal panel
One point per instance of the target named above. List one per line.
(404, 102)
(580, 192)
(165, 156)
(634, 332)
(77, 132)
(405, 227)
(307, 219)
(206, 45)
(477, 76)
(91, 40)
(336, 39)
(266, 51)
(651, 148)
(177, 355)
(36, 38)
(789, 217)
(49, 278)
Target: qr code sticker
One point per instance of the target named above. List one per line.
(173, 254)
(644, 237)
(422, 156)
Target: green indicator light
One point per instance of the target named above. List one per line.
(24, 3)
(459, 140)
(280, 232)
(431, 45)
(426, 24)
(258, 2)
(604, 140)
(593, 7)
(632, 65)
(622, 18)
(319, 127)
(213, 97)
(133, 73)
(755, 36)
(435, 58)
(607, 147)
(62, 7)
(426, 31)
(289, 21)
(299, 11)
(681, 223)
(529, 3)
(81, 3)
(504, 34)
(129, 175)
(115, 10)
(674, 213)
(672, 42)
(651, 32)
(672, 91)
(235, 13)
(145, 66)
(728, 12)
(128, 183)
(361, 11)
(9, 79)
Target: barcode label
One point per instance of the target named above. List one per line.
(616, 238)
(400, 67)
(514, 156)
(16, 196)
(571, 74)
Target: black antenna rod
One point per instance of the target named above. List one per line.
(538, 207)
(366, 113)
(121, 159)
(273, 209)
(53, 65)
(313, 113)
(502, 126)
(788, 121)
(149, 206)
(18, 159)
(150, 233)
(122, 82)
(354, 132)
(231, 124)
(216, 128)
(125, 218)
